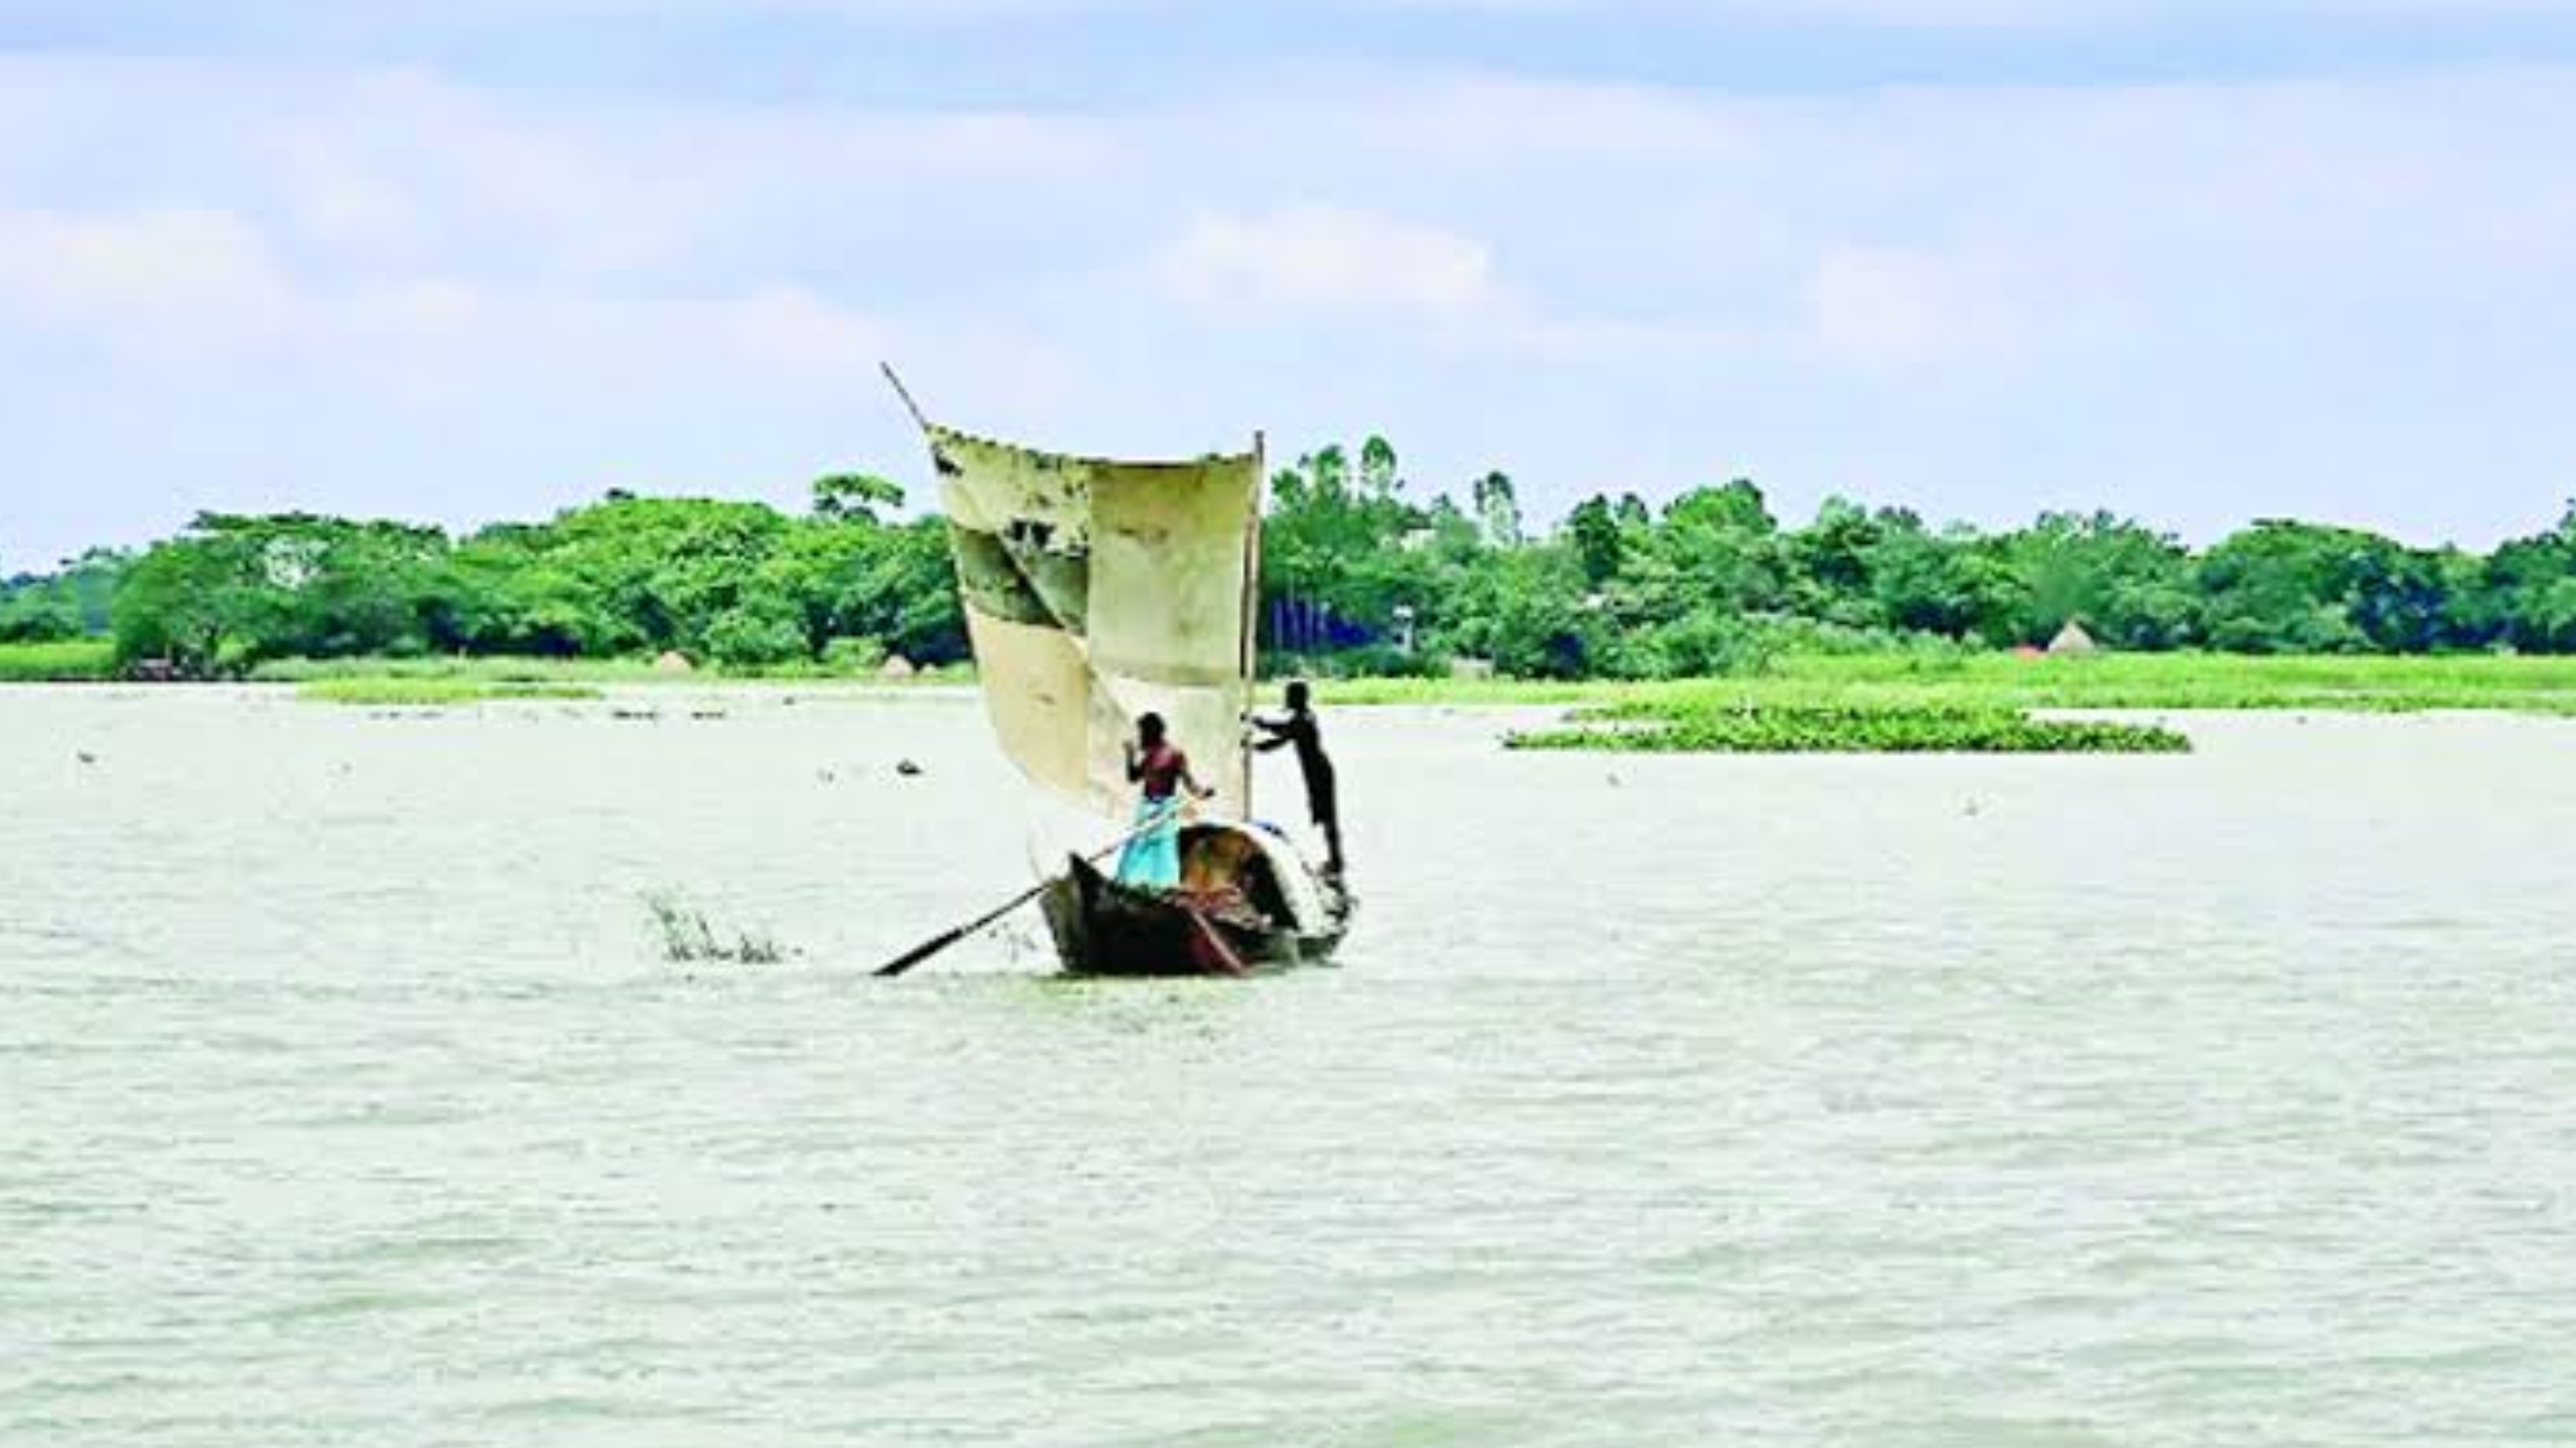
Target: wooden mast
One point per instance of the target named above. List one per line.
(1252, 604)
(906, 394)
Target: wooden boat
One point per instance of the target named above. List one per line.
(1238, 912)
(1097, 591)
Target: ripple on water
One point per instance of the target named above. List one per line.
(2177, 1102)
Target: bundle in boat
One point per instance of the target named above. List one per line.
(1247, 903)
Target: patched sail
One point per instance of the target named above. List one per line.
(1097, 591)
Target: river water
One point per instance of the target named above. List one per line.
(349, 1098)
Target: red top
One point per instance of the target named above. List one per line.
(1161, 768)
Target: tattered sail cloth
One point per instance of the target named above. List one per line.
(1099, 591)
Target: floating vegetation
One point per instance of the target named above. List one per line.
(1745, 728)
(408, 693)
(688, 938)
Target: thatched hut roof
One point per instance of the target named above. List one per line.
(2072, 639)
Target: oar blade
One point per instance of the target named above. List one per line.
(918, 954)
(929, 948)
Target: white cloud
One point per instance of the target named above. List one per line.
(347, 205)
(1309, 258)
(1894, 309)
(429, 307)
(790, 331)
(2193, 300)
(1880, 306)
(145, 284)
(2051, 15)
(1947, 14)
(206, 287)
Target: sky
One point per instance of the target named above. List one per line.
(2196, 261)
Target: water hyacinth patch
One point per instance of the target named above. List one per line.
(1746, 728)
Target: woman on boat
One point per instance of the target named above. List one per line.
(1152, 858)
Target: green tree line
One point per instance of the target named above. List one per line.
(738, 583)
(1712, 581)
(1358, 575)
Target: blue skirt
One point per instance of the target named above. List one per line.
(1152, 858)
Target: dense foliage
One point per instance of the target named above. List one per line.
(74, 603)
(1712, 583)
(1358, 576)
(740, 584)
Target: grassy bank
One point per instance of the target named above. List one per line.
(2003, 682)
(2202, 681)
(434, 693)
(315, 674)
(68, 662)
(592, 673)
(1931, 679)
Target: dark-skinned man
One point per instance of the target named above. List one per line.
(1298, 728)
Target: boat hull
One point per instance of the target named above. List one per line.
(1103, 928)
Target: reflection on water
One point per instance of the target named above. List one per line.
(2212, 1099)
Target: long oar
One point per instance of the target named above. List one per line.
(942, 941)
(1222, 955)
(938, 943)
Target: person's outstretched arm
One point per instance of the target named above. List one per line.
(1276, 733)
(1191, 783)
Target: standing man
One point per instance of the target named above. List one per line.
(1152, 857)
(1298, 727)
